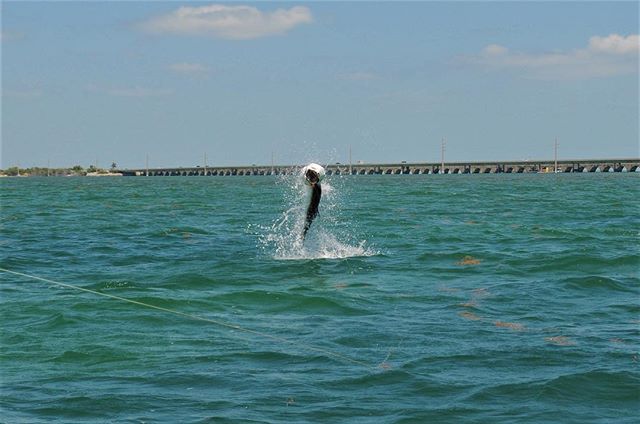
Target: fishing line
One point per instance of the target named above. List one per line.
(224, 324)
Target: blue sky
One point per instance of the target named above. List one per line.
(87, 82)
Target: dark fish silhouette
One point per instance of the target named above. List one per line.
(313, 173)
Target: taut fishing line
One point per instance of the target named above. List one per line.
(224, 324)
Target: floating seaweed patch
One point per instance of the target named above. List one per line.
(170, 231)
(470, 316)
(468, 260)
(448, 289)
(480, 293)
(560, 341)
(510, 325)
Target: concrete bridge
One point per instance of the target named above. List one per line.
(497, 167)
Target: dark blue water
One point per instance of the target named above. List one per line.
(419, 298)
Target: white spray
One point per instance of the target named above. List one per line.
(329, 238)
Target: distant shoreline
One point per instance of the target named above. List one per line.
(89, 174)
(75, 171)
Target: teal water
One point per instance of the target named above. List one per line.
(415, 299)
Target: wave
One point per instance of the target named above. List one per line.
(569, 261)
(595, 282)
(94, 355)
(600, 385)
(583, 393)
(46, 320)
(277, 302)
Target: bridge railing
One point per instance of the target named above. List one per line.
(403, 168)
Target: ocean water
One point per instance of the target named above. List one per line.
(414, 299)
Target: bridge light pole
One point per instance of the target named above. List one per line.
(442, 149)
(555, 156)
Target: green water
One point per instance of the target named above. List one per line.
(415, 299)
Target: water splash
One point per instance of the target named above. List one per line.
(324, 246)
(329, 237)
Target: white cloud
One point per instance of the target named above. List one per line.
(29, 93)
(135, 91)
(358, 76)
(229, 22)
(494, 50)
(190, 69)
(138, 92)
(603, 57)
(6, 36)
(615, 44)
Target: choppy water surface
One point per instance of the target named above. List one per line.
(466, 299)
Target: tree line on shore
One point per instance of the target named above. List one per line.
(38, 171)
